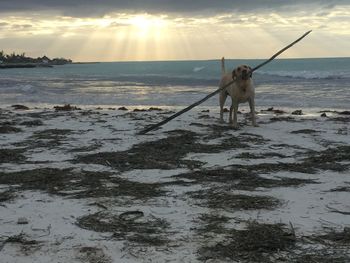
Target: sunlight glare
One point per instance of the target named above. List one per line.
(146, 24)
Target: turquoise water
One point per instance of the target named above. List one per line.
(296, 83)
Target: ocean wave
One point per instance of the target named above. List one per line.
(197, 69)
(26, 87)
(166, 80)
(307, 74)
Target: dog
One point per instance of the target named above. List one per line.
(240, 91)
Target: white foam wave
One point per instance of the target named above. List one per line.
(308, 74)
(197, 69)
(26, 88)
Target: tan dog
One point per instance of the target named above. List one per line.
(242, 90)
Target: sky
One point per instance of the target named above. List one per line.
(139, 30)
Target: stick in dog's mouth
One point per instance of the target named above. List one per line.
(246, 74)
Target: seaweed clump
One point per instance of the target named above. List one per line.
(137, 229)
(79, 184)
(254, 244)
(9, 129)
(12, 156)
(220, 199)
(66, 107)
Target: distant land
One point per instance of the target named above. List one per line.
(14, 60)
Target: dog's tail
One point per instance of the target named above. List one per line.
(223, 71)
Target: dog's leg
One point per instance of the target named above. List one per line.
(230, 120)
(252, 111)
(234, 108)
(223, 93)
(223, 96)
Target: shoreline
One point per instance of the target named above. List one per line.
(306, 111)
(26, 65)
(40, 65)
(96, 62)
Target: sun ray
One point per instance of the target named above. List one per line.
(143, 36)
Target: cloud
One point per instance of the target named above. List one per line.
(4, 25)
(21, 26)
(100, 8)
(118, 24)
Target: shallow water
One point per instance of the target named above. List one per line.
(291, 83)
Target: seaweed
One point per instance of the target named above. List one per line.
(241, 179)
(322, 257)
(79, 184)
(66, 107)
(9, 129)
(165, 154)
(304, 131)
(221, 199)
(32, 123)
(93, 255)
(7, 195)
(212, 223)
(334, 159)
(27, 245)
(49, 138)
(248, 155)
(12, 156)
(253, 244)
(342, 237)
(19, 107)
(146, 230)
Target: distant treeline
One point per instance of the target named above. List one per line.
(22, 58)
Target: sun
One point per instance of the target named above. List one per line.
(141, 22)
(146, 24)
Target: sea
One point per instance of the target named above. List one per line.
(317, 83)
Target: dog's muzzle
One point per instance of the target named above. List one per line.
(246, 74)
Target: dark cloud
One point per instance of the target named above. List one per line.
(97, 8)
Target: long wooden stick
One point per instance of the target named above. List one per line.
(281, 51)
(146, 130)
(184, 110)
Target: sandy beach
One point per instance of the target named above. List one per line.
(87, 175)
(81, 186)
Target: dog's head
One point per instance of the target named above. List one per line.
(242, 72)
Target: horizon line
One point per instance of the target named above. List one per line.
(212, 59)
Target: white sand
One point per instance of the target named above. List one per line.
(52, 219)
